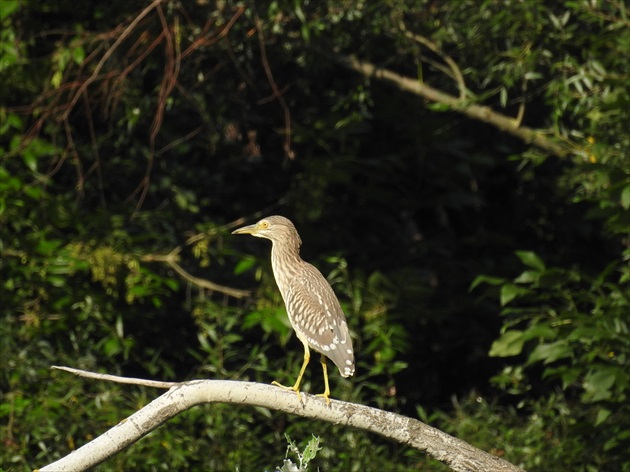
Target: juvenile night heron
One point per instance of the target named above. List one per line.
(312, 306)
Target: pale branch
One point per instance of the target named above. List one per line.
(207, 284)
(456, 73)
(538, 138)
(171, 260)
(457, 454)
(521, 104)
(115, 378)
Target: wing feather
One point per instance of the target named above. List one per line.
(317, 317)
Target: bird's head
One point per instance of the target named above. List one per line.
(275, 228)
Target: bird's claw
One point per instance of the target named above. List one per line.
(326, 396)
(294, 388)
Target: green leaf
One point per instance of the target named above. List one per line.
(203, 341)
(509, 344)
(30, 160)
(597, 384)
(550, 352)
(56, 281)
(61, 265)
(310, 451)
(530, 259)
(120, 331)
(485, 279)
(56, 78)
(78, 55)
(8, 7)
(172, 284)
(440, 107)
(138, 291)
(528, 277)
(625, 197)
(569, 377)
(10, 120)
(244, 265)
(509, 292)
(542, 330)
(602, 415)
(112, 347)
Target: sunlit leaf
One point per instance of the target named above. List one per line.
(485, 279)
(531, 259)
(597, 384)
(244, 265)
(550, 352)
(529, 276)
(8, 7)
(625, 197)
(602, 416)
(509, 344)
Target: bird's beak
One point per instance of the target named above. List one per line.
(251, 229)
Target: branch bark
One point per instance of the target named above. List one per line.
(171, 260)
(538, 138)
(457, 454)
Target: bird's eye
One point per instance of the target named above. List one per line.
(264, 224)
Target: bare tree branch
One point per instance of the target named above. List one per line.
(115, 378)
(456, 73)
(108, 53)
(171, 260)
(457, 454)
(538, 138)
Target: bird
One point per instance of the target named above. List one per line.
(312, 306)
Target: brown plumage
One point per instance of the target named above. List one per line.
(312, 307)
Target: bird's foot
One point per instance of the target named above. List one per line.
(295, 388)
(326, 395)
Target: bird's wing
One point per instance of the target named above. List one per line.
(317, 317)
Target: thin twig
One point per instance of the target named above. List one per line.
(171, 260)
(178, 141)
(457, 73)
(73, 151)
(204, 41)
(521, 106)
(171, 72)
(116, 378)
(108, 53)
(97, 157)
(274, 87)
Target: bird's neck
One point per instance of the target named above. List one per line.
(285, 261)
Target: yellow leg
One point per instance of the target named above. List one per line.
(326, 393)
(296, 387)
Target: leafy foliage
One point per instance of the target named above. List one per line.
(573, 333)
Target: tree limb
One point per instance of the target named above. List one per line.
(456, 73)
(539, 138)
(171, 260)
(457, 454)
(115, 378)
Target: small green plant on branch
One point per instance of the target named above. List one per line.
(303, 457)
